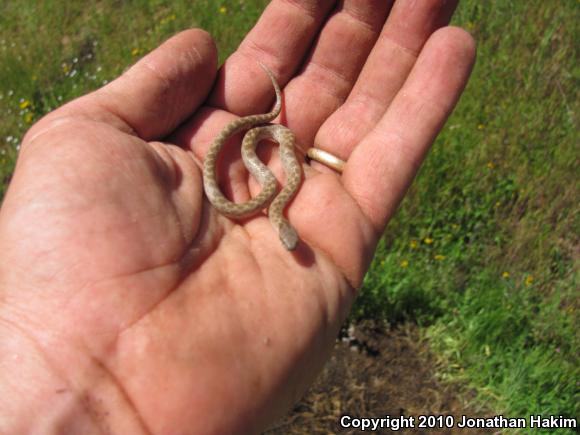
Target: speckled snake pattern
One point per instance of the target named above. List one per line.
(258, 128)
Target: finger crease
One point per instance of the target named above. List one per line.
(302, 7)
(368, 100)
(342, 80)
(390, 40)
(258, 53)
(358, 19)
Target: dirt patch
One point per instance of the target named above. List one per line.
(375, 372)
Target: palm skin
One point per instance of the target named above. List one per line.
(140, 308)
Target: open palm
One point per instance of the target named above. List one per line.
(144, 310)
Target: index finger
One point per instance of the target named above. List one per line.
(280, 39)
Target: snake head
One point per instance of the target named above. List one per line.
(288, 236)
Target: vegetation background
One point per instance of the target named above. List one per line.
(483, 253)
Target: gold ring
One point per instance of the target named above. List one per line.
(326, 158)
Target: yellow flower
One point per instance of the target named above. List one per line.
(413, 244)
(28, 117)
(135, 52)
(439, 257)
(490, 165)
(481, 126)
(428, 240)
(223, 9)
(505, 275)
(24, 104)
(529, 280)
(404, 263)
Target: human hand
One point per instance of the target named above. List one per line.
(129, 304)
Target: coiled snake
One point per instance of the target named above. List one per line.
(258, 129)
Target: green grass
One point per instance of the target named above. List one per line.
(483, 253)
(484, 250)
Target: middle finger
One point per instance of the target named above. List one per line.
(332, 66)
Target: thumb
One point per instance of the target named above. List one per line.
(157, 93)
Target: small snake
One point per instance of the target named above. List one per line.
(258, 129)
